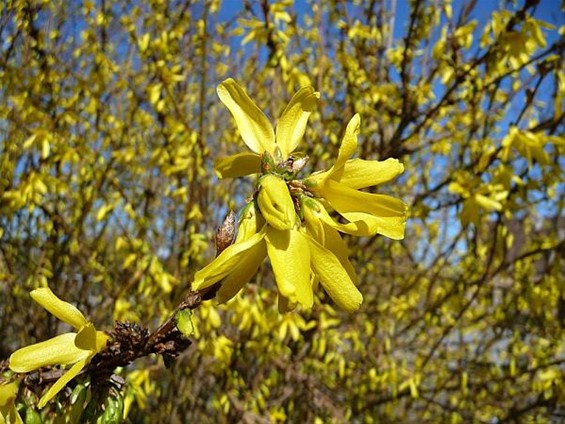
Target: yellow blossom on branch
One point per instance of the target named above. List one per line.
(289, 220)
(66, 349)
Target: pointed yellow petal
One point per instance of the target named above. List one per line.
(359, 173)
(312, 221)
(290, 259)
(292, 124)
(86, 338)
(314, 210)
(234, 166)
(388, 211)
(62, 382)
(245, 270)
(346, 150)
(315, 216)
(58, 350)
(256, 130)
(334, 278)
(62, 310)
(335, 244)
(225, 263)
(348, 144)
(392, 226)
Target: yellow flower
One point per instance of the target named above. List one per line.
(367, 213)
(307, 251)
(257, 131)
(70, 348)
(8, 411)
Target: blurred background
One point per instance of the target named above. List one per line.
(109, 129)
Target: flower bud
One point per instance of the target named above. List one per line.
(225, 233)
(275, 202)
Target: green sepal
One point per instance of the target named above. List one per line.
(267, 163)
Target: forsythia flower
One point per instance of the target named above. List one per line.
(70, 348)
(8, 411)
(287, 220)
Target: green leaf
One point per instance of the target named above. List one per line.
(184, 322)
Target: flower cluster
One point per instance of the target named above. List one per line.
(289, 219)
(66, 349)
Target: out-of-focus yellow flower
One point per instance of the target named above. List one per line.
(257, 131)
(367, 213)
(69, 348)
(8, 412)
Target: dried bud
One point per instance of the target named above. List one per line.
(226, 233)
(299, 163)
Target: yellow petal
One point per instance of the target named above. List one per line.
(246, 269)
(225, 263)
(487, 203)
(62, 382)
(256, 130)
(250, 223)
(292, 124)
(334, 278)
(359, 173)
(90, 339)
(58, 350)
(8, 412)
(290, 259)
(358, 225)
(62, 310)
(8, 393)
(275, 202)
(391, 226)
(101, 340)
(348, 143)
(346, 150)
(335, 244)
(312, 220)
(245, 163)
(326, 235)
(388, 210)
